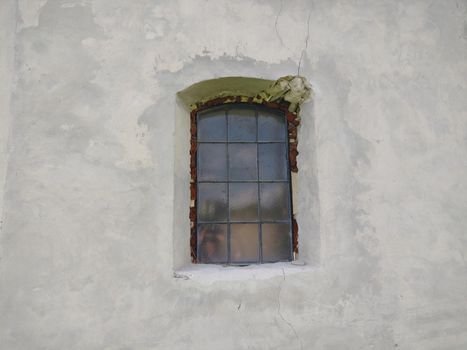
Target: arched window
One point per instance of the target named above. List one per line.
(241, 184)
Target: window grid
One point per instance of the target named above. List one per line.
(260, 225)
(258, 181)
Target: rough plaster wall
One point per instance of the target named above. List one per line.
(87, 246)
(7, 44)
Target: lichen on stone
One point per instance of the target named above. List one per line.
(293, 89)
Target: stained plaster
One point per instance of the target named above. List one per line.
(293, 89)
(97, 177)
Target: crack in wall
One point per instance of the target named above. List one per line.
(277, 30)
(288, 323)
(306, 40)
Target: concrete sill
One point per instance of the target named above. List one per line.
(208, 273)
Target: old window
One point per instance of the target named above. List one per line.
(243, 207)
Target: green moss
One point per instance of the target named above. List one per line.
(222, 87)
(293, 89)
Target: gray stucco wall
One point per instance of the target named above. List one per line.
(87, 251)
(7, 72)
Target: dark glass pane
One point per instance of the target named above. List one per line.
(242, 125)
(274, 199)
(212, 162)
(244, 243)
(276, 242)
(212, 243)
(271, 127)
(272, 161)
(212, 126)
(212, 202)
(243, 201)
(242, 161)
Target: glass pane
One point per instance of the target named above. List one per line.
(212, 202)
(276, 242)
(212, 243)
(272, 161)
(243, 201)
(212, 162)
(242, 125)
(244, 243)
(271, 127)
(212, 126)
(274, 201)
(242, 161)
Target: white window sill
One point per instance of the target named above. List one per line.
(209, 273)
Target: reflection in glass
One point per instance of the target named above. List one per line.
(244, 243)
(242, 182)
(242, 162)
(243, 201)
(274, 198)
(212, 162)
(276, 242)
(212, 126)
(212, 201)
(272, 161)
(242, 125)
(212, 243)
(271, 127)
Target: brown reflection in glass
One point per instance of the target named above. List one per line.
(212, 162)
(243, 201)
(274, 201)
(240, 151)
(242, 162)
(242, 125)
(212, 126)
(212, 201)
(272, 161)
(244, 243)
(276, 242)
(271, 127)
(212, 240)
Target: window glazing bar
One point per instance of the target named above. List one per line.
(245, 222)
(241, 142)
(258, 192)
(243, 181)
(228, 189)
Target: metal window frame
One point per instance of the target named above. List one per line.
(292, 122)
